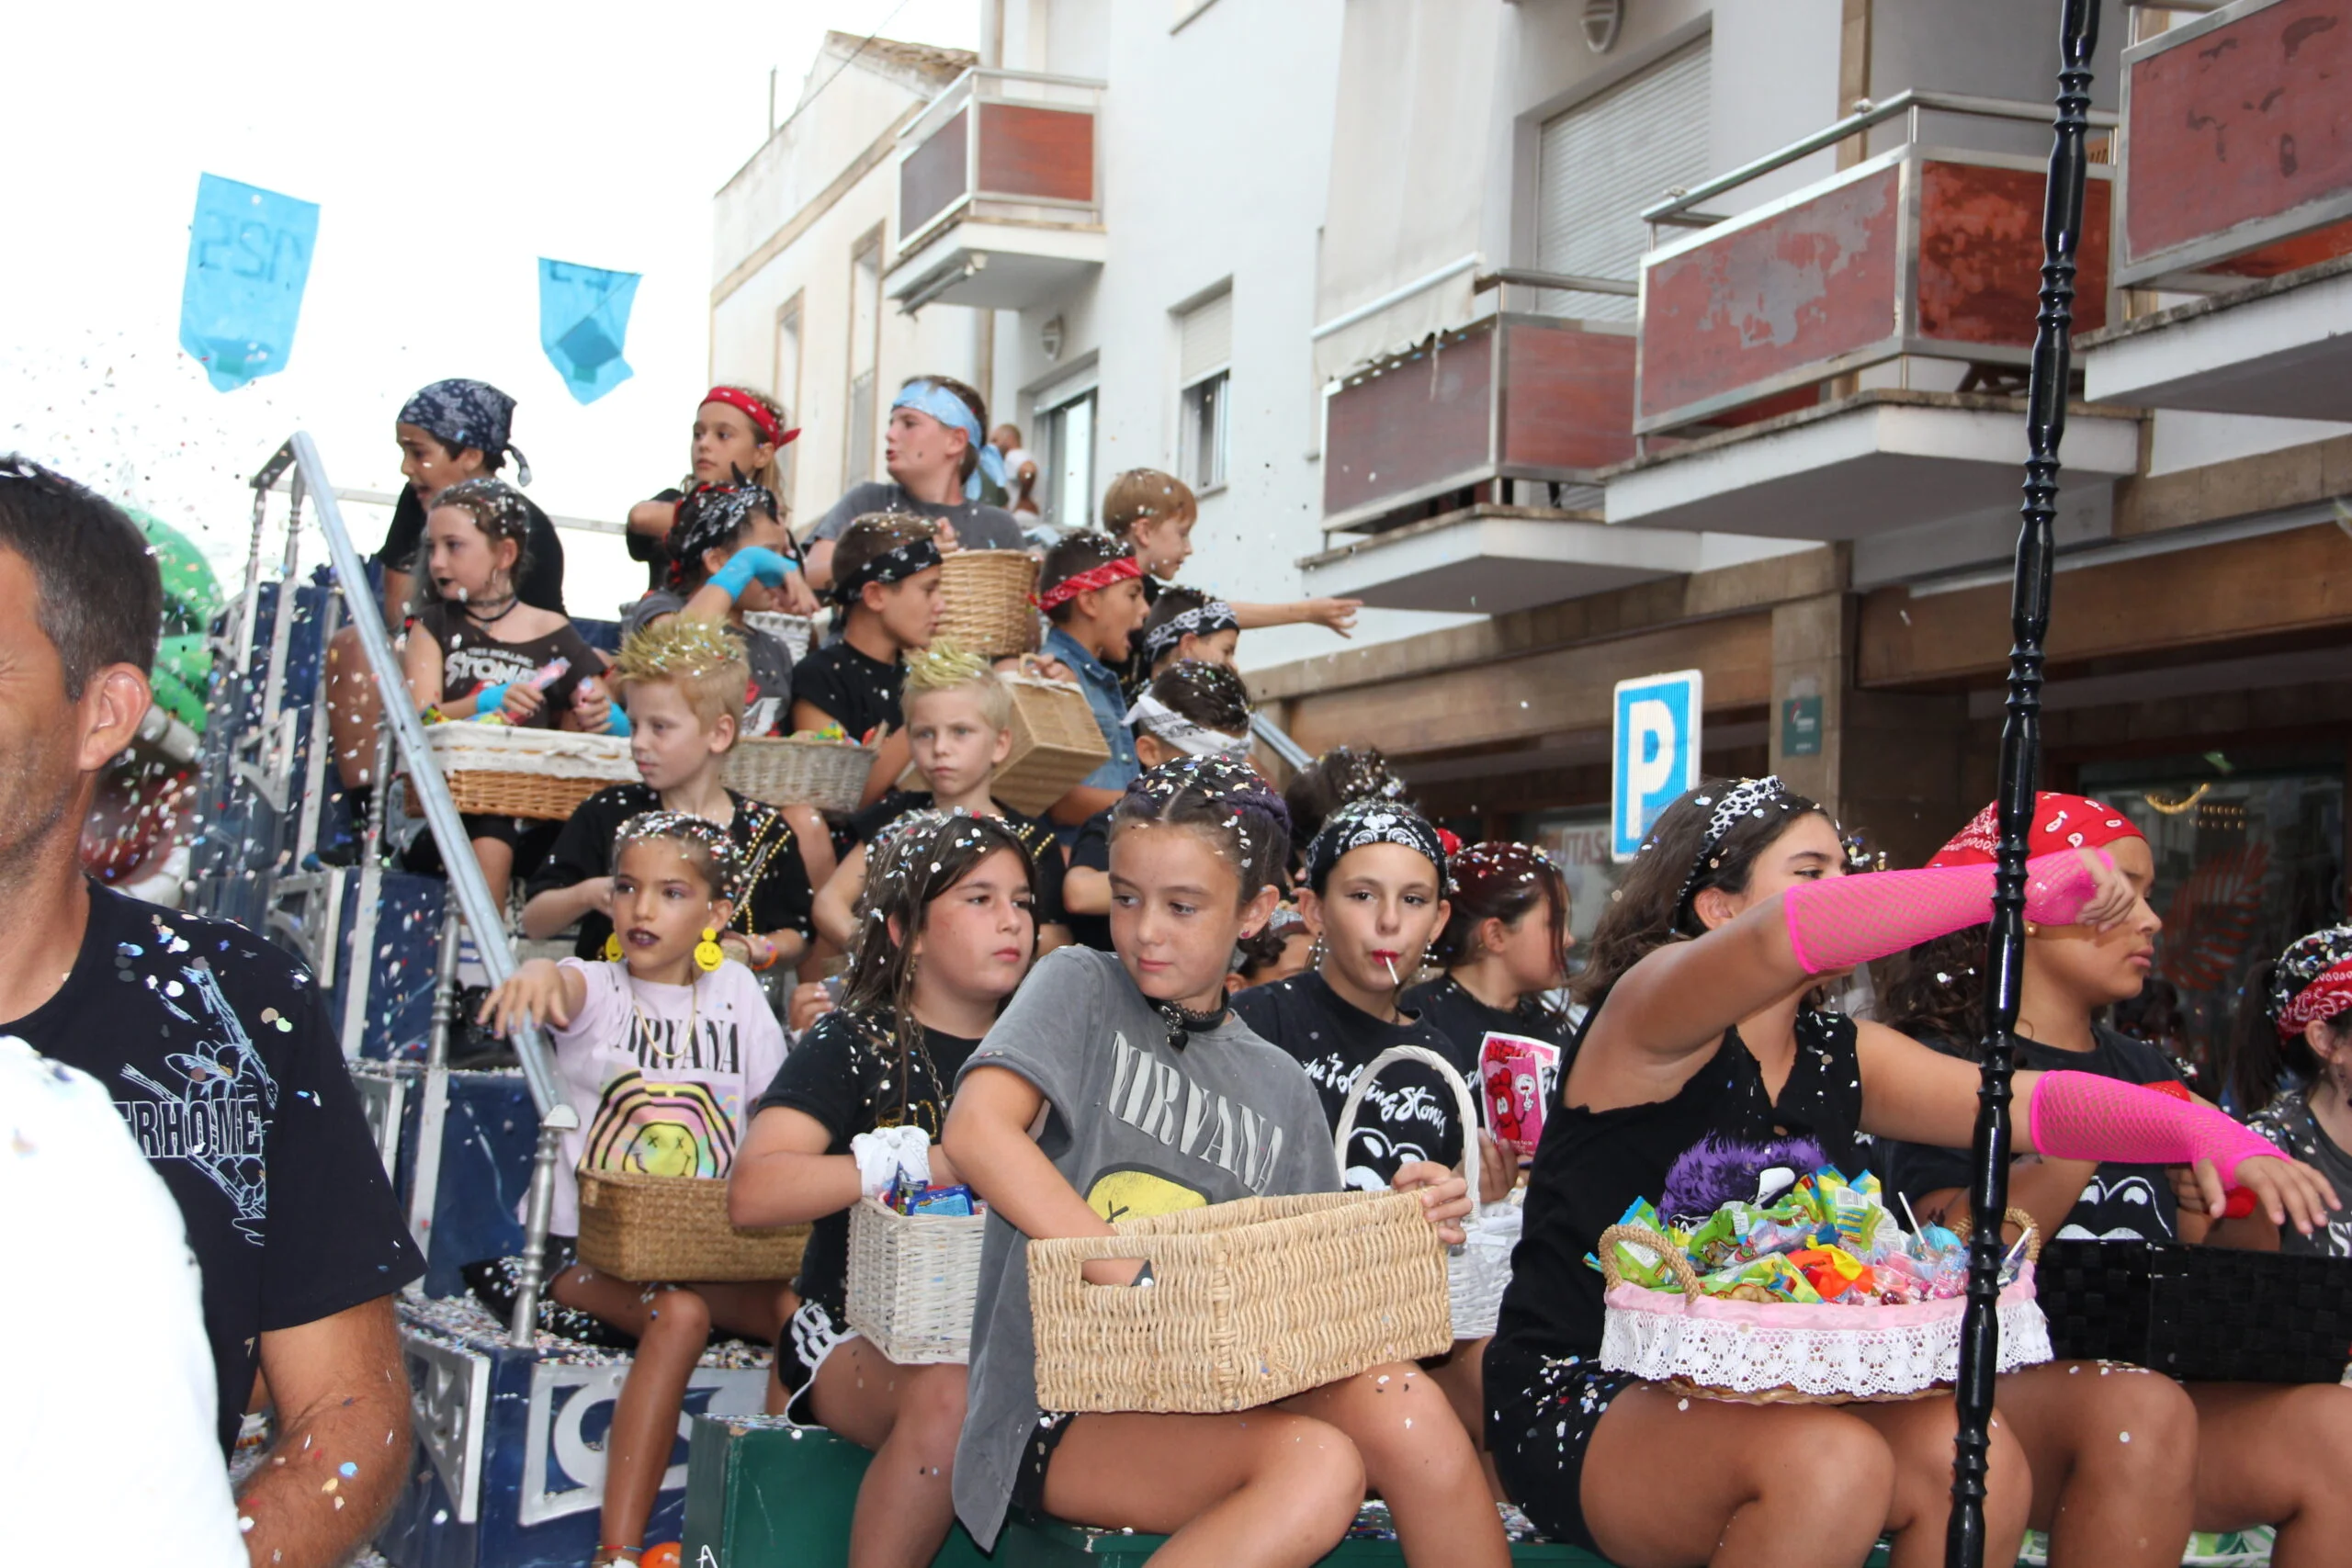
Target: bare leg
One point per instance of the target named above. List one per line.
(1416, 1455)
(497, 860)
(2277, 1454)
(909, 1417)
(1918, 1433)
(355, 709)
(1262, 1489)
(1462, 1377)
(2106, 1501)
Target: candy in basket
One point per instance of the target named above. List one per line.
(1811, 1293)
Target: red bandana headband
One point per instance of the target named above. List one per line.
(765, 422)
(2060, 822)
(1102, 576)
(2327, 996)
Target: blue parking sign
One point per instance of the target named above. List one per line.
(1654, 753)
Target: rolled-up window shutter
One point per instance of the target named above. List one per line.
(1603, 161)
(1207, 339)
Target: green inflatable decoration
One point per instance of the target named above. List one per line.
(191, 598)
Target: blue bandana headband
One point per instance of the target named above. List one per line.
(930, 398)
(460, 414)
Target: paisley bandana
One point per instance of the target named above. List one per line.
(1748, 797)
(762, 420)
(1361, 822)
(1194, 741)
(678, 825)
(462, 413)
(2313, 982)
(710, 519)
(1206, 620)
(1102, 576)
(2060, 822)
(894, 565)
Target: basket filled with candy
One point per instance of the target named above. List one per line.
(914, 1271)
(1811, 1293)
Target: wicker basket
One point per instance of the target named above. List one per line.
(1253, 1302)
(2200, 1314)
(1055, 743)
(787, 771)
(1793, 1353)
(912, 1280)
(984, 603)
(649, 1228)
(1477, 1270)
(501, 770)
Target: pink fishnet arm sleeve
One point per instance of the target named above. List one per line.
(2084, 1116)
(1841, 921)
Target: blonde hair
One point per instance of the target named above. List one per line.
(769, 474)
(1143, 495)
(705, 661)
(943, 666)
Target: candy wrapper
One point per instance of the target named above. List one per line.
(907, 1196)
(1517, 1078)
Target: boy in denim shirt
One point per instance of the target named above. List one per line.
(1091, 590)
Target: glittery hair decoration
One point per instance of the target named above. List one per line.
(941, 666)
(677, 646)
(459, 413)
(1748, 798)
(894, 565)
(1201, 620)
(711, 518)
(677, 827)
(1361, 822)
(2313, 981)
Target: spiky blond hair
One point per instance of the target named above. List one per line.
(943, 666)
(704, 659)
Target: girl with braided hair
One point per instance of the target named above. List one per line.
(1049, 1126)
(660, 1050)
(945, 926)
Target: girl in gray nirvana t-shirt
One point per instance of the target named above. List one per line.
(1121, 1086)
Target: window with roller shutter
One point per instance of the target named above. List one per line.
(1204, 377)
(1603, 161)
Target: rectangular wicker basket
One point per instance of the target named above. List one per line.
(984, 603)
(675, 1228)
(787, 771)
(501, 770)
(912, 1280)
(2208, 1314)
(1253, 1302)
(1055, 743)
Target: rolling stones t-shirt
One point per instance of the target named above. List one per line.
(662, 1077)
(1138, 1127)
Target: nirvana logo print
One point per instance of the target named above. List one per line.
(1157, 1099)
(680, 1044)
(214, 1114)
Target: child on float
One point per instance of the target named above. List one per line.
(946, 932)
(682, 681)
(476, 650)
(1343, 774)
(885, 591)
(959, 731)
(936, 452)
(1191, 709)
(1185, 622)
(1038, 1132)
(2291, 1057)
(740, 434)
(1504, 947)
(1091, 589)
(2264, 1453)
(1701, 1033)
(660, 1050)
(729, 553)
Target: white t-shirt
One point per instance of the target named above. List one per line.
(662, 1077)
(109, 1452)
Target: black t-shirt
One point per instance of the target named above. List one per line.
(776, 896)
(1091, 850)
(542, 580)
(1592, 1163)
(1135, 671)
(653, 549)
(217, 1051)
(1036, 835)
(846, 1074)
(855, 689)
(1448, 1006)
(472, 658)
(1408, 1115)
(2121, 1203)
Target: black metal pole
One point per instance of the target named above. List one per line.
(2062, 222)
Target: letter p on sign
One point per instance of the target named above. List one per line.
(1654, 753)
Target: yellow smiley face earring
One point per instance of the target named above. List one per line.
(613, 948)
(709, 955)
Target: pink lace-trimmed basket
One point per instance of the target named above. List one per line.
(1793, 1353)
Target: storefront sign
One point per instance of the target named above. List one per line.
(1654, 753)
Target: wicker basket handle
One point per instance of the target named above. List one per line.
(1965, 1226)
(1642, 1236)
(1463, 1107)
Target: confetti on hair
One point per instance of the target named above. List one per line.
(942, 667)
(705, 842)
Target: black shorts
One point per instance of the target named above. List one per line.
(527, 837)
(1541, 1414)
(809, 1335)
(1036, 1458)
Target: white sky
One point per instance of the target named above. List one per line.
(449, 148)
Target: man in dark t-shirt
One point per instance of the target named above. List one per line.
(213, 1045)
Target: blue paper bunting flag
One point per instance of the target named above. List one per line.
(248, 259)
(584, 324)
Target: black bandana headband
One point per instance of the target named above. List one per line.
(679, 827)
(460, 414)
(709, 519)
(894, 565)
(1201, 620)
(1361, 822)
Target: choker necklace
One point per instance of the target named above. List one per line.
(1184, 1023)
(505, 608)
